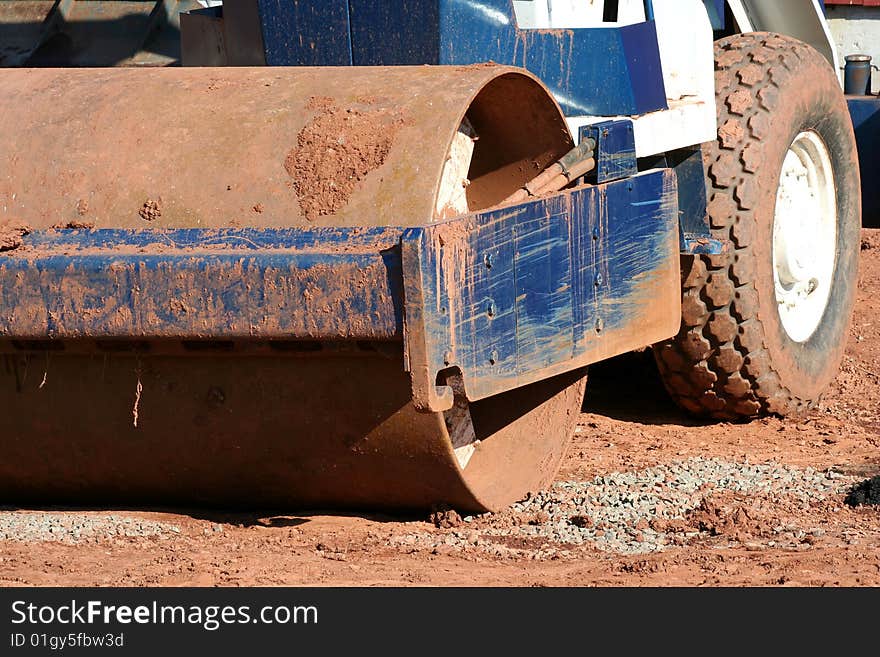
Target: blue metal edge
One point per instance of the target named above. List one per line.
(313, 283)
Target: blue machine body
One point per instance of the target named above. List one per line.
(603, 71)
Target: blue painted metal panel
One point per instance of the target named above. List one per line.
(543, 288)
(865, 113)
(602, 71)
(615, 149)
(325, 238)
(696, 236)
(194, 284)
(508, 297)
(394, 33)
(644, 70)
(493, 310)
(715, 9)
(306, 32)
(594, 273)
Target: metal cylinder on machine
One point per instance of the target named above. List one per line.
(266, 147)
(242, 422)
(857, 75)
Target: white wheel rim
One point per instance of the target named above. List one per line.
(804, 236)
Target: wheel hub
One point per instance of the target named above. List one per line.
(804, 236)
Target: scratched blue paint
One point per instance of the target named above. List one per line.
(269, 284)
(297, 239)
(569, 273)
(599, 71)
(543, 289)
(490, 335)
(396, 33)
(638, 236)
(306, 32)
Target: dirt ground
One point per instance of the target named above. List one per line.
(729, 539)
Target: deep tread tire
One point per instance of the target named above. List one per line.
(732, 359)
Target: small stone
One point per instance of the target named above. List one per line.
(443, 517)
(583, 522)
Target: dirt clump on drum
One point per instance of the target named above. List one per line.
(336, 151)
(151, 209)
(11, 234)
(74, 225)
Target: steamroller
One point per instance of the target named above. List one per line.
(363, 259)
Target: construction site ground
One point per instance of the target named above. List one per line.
(646, 496)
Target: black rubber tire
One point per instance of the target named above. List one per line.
(732, 358)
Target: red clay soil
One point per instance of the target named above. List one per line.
(335, 151)
(725, 541)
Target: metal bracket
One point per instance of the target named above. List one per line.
(520, 294)
(615, 150)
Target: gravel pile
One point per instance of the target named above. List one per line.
(73, 528)
(627, 513)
